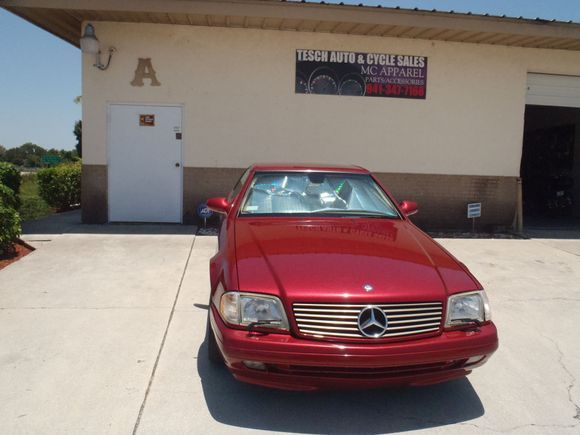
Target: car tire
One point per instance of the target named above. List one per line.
(213, 351)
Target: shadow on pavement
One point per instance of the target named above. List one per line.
(373, 411)
(552, 233)
(552, 227)
(70, 223)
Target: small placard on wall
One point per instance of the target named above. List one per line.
(474, 210)
(147, 120)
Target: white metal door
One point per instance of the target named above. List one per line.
(145, 173)
(553, 90)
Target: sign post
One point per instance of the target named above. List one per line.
(204, 212)
(473, 212)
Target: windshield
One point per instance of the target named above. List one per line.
(316, 193)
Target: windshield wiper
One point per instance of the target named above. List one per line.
(364, 213)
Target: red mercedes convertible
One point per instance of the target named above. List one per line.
(322, 281)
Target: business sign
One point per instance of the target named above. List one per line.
(474, 210)
(361, 74)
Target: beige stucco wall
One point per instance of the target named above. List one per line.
(237, 88)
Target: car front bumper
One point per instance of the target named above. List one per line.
(299, 364)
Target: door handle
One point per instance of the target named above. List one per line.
(177, 165)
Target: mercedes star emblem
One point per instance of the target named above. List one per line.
(368, 288)
(372, 322)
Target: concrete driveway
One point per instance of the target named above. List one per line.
(102, 331)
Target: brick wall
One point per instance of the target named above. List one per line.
(442, 198)
(199, 184)
(94, 199)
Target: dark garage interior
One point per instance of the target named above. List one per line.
(550, 168)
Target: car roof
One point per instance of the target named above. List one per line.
(282, 167)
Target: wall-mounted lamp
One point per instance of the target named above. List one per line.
(90, 45)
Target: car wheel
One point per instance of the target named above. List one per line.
(213, 351)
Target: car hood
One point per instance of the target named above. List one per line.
(334, 259)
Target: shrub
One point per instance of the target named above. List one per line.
(8, 197)
(60, 186)
(10, 176)
(9, 227)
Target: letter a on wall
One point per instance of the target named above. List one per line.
(145, 71)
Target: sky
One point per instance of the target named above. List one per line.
(40, 75)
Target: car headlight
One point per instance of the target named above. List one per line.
(465, 308)
(251, 308)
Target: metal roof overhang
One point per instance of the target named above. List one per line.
(63, 18)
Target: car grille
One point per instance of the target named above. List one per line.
(365, 372)
(341, 320)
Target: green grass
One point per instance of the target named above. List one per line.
(33, 206)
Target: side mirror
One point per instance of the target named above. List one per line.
(219, 205)
(409, 208)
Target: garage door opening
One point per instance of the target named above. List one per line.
(550, 167)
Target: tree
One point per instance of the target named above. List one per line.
(65, 155)
(2, 152)
(78, 132)
(27, 155)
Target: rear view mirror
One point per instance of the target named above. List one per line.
(409, 208)
(219, 205)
